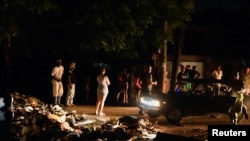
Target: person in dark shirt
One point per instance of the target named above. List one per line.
(188, 71)
(194, 74)
(182, 74)
(123, 78)
(148, 81)
(71, 84)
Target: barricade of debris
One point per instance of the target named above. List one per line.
(34, 120)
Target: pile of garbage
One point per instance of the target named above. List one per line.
(34, 120)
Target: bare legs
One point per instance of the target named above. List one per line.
(101, 98)
(125, 99)
(123, 91)
(118, 95)
(138, 95)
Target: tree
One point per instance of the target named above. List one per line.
(123, 29)
(139, 22)
(14, 15)
(174, 16)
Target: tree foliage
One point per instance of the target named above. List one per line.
(124, 28)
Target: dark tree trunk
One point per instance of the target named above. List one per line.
(177, 58)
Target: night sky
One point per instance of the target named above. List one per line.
(225, 5)
(222, 29)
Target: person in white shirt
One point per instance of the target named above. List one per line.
(102, 91)
(57, 85)
(217, 74)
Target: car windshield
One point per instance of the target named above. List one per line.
(219, 89)
(183, 86)
(201, 88)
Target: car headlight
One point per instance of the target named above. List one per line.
(150, 102)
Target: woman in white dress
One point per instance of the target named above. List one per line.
(102, 91)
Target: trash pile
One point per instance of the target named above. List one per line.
(34, 120)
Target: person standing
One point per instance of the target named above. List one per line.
(137, 86)
(183, 85)
(194, 74)
(123, 78)
(217, 74)
(188, 73)
(147, 81)
(182, 74)
(71, 84)
(102, 91)
(57, 85)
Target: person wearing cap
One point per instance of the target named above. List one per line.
(71, 83)
(57, 85)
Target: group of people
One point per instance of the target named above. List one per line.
(142, 83)
(123, 80)
(58, 90)
(244, 76)
(188, 72)
(57, 83)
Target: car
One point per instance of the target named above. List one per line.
(190, 97)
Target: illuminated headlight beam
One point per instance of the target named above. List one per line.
(150, 102)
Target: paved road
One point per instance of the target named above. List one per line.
(194, 126)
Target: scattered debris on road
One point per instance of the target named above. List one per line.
(33, 119)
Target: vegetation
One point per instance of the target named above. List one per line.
(124, 29)
(41, 27)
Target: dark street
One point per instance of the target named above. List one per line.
(191, 127)
(151, 40)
